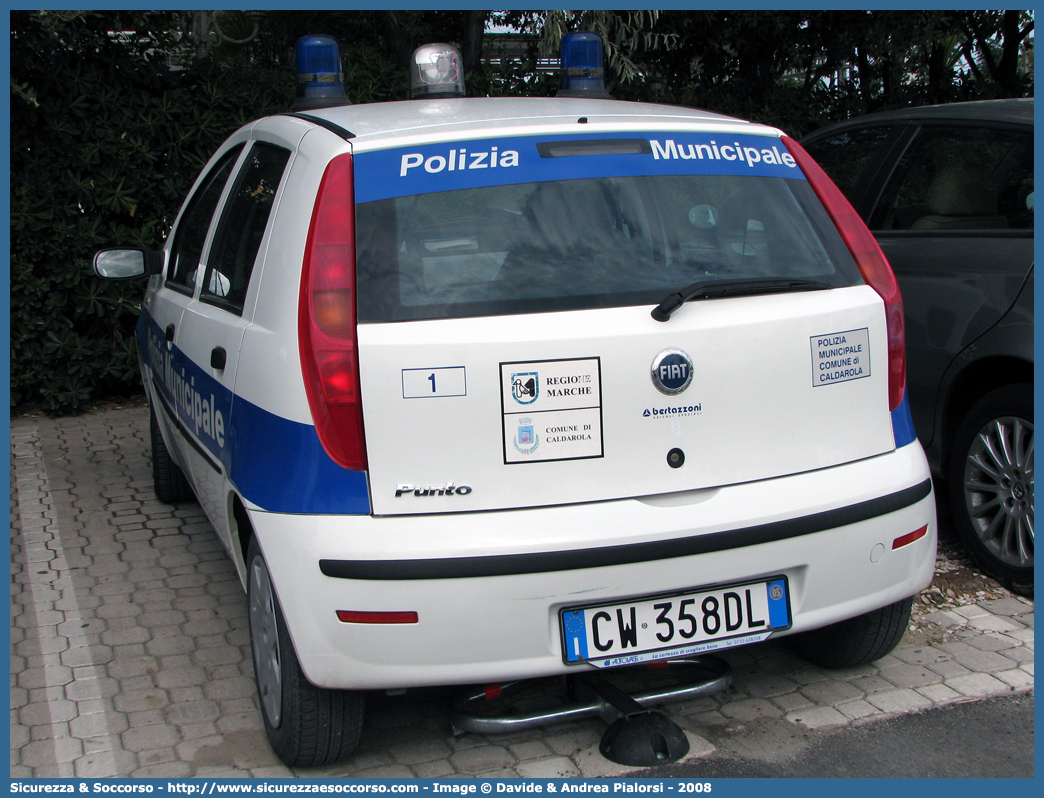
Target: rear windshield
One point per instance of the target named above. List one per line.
(588, 242)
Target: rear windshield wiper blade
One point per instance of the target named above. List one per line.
(710, 289)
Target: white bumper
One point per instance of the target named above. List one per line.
(475, 628)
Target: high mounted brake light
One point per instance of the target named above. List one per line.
(326, 319)
(872, 263)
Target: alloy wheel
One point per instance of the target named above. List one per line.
(998, 489)
(264, 635)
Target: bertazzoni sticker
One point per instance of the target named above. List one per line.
(840, 356)
(552, 410)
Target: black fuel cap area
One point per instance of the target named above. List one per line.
(675, 458)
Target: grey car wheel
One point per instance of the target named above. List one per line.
(991, 484)
(998, 489)
(306, 725)
(168, 480)
(857, 641)
(264, 636)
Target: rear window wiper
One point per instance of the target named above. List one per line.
(711, 289)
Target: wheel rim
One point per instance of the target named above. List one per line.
(264, 637)
(998, 489)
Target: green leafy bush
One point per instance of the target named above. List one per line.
(106, 140)
(108, 132)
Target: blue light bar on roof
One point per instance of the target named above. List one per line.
(320, 82)
(582, 71)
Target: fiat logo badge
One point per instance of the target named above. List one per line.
(672, 371)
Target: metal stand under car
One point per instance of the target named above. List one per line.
(636, 736)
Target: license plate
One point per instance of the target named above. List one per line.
(659, 627)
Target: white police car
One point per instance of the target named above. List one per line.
(487, 389)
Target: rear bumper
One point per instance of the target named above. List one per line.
(488, 586)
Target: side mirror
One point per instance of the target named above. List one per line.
(125, 264)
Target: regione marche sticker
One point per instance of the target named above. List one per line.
(840, 356)
(552, 410)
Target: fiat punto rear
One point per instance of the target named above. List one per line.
(487, 389)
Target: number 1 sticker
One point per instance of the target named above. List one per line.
(428, 383)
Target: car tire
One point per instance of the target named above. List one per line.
(168, 480)
(307, 726)
(857, 641)
(991, 485)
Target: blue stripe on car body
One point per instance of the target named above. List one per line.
(902, 424)
(274, 463)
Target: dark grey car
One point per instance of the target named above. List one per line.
(948, 192)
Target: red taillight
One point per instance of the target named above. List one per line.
(326, 319)
(871, 262)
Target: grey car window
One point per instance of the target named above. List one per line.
(595, 242)
(242, 227)
(195, 222)
(846, 155)
(961, 178)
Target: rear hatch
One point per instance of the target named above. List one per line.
(508, 355)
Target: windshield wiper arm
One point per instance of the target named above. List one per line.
(710, 289)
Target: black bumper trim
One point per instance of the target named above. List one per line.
(543, 562)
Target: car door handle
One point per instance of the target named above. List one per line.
(217, 358)
(170, 332)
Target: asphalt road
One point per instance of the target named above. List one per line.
(982, 739)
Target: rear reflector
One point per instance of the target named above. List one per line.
(355, 616)
(871, 262)
(906, 540)
(492, 691)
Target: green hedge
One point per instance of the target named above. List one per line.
(105, 143)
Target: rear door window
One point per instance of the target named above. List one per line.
(191, 234)
(961, 179)
(595, 240)
(242, 227)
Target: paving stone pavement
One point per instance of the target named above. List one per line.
(130, 653)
